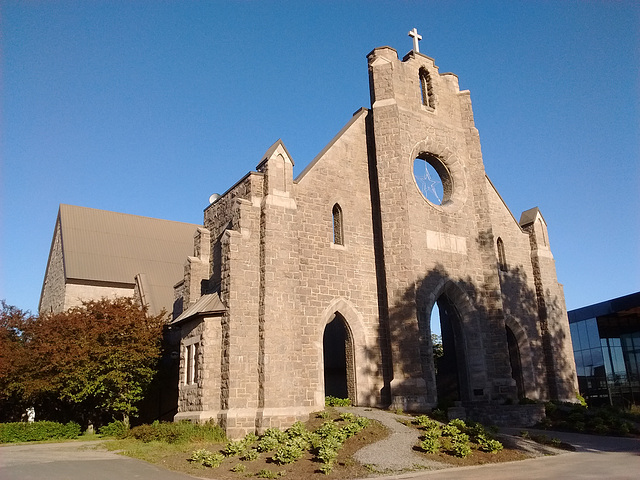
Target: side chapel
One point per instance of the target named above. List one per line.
(325, 284)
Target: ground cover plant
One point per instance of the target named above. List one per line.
(455, 438)
(459, 443)
(595, 420)
(320, 448)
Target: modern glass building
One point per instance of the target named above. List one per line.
(606, 346)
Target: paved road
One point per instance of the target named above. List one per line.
(610, 458)
(595, 458)
(75, 461)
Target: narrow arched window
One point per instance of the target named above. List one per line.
(338, 232)
(502, 259)
(426, 89)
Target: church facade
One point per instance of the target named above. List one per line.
(325, 284)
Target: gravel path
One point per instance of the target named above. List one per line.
(395, 453)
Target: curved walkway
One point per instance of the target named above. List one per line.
(395, 453)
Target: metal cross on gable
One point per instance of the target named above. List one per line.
(416, 38)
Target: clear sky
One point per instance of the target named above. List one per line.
(149, 107)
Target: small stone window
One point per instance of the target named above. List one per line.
(338, 232)
(426, 89)
(191, 364)
(502, 259)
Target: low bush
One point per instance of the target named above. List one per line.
(456, 437)
(264, 473)
(115, 429)
(250, 455)
(424, 421)
(206, 458)
(330, 401)
(234, 448)
(488, 444)
(37, 431)
(431, 444)
(288, 453)
(178, 432)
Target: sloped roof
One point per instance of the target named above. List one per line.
(112, 247)
(209, 303)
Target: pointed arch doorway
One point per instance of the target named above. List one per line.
(337, 347)
(514, 359)
(450, 362)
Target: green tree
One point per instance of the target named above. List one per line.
(436, 341)
(102, 355)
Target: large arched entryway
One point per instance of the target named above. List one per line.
(450, 361)
(337, 344)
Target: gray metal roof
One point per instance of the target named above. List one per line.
(209, 303)
(112, 247)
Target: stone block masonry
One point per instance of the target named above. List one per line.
(354, 241)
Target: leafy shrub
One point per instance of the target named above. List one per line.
(450, 430)
(433, 433)
(488, 444)
(330, 401)
(328, 451)
(364, 422)
(297, 428)
(270, 439)
(234, 448)
(239, 468)
(250, 438)
(115, 429)
(431, 444)
(424, 421)
(461, 448)
(250, 455)
(264, 473)
(326, 468)
(180, 432)
(37, 431)
(287, 453)
(207, 458)
(459, 424)
(266, 444)
(347, 416)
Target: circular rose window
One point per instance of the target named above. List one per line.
(432, 178)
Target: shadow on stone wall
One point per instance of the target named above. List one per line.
(484, 306)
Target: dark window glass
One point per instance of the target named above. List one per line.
(573, 327)
(592, 333)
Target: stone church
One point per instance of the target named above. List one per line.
(325, 284)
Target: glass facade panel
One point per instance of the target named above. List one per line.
(596, 357)
(608, 368)
(618, 360)
(573, 328)
(579, 363)
(582, 334)
(588, 364)
(592, 333)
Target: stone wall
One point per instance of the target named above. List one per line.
(286, 264)
(53, 298)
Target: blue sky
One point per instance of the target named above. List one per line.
(149, 107)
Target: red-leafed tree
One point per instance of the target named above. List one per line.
(100, 357)
(14, 359)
